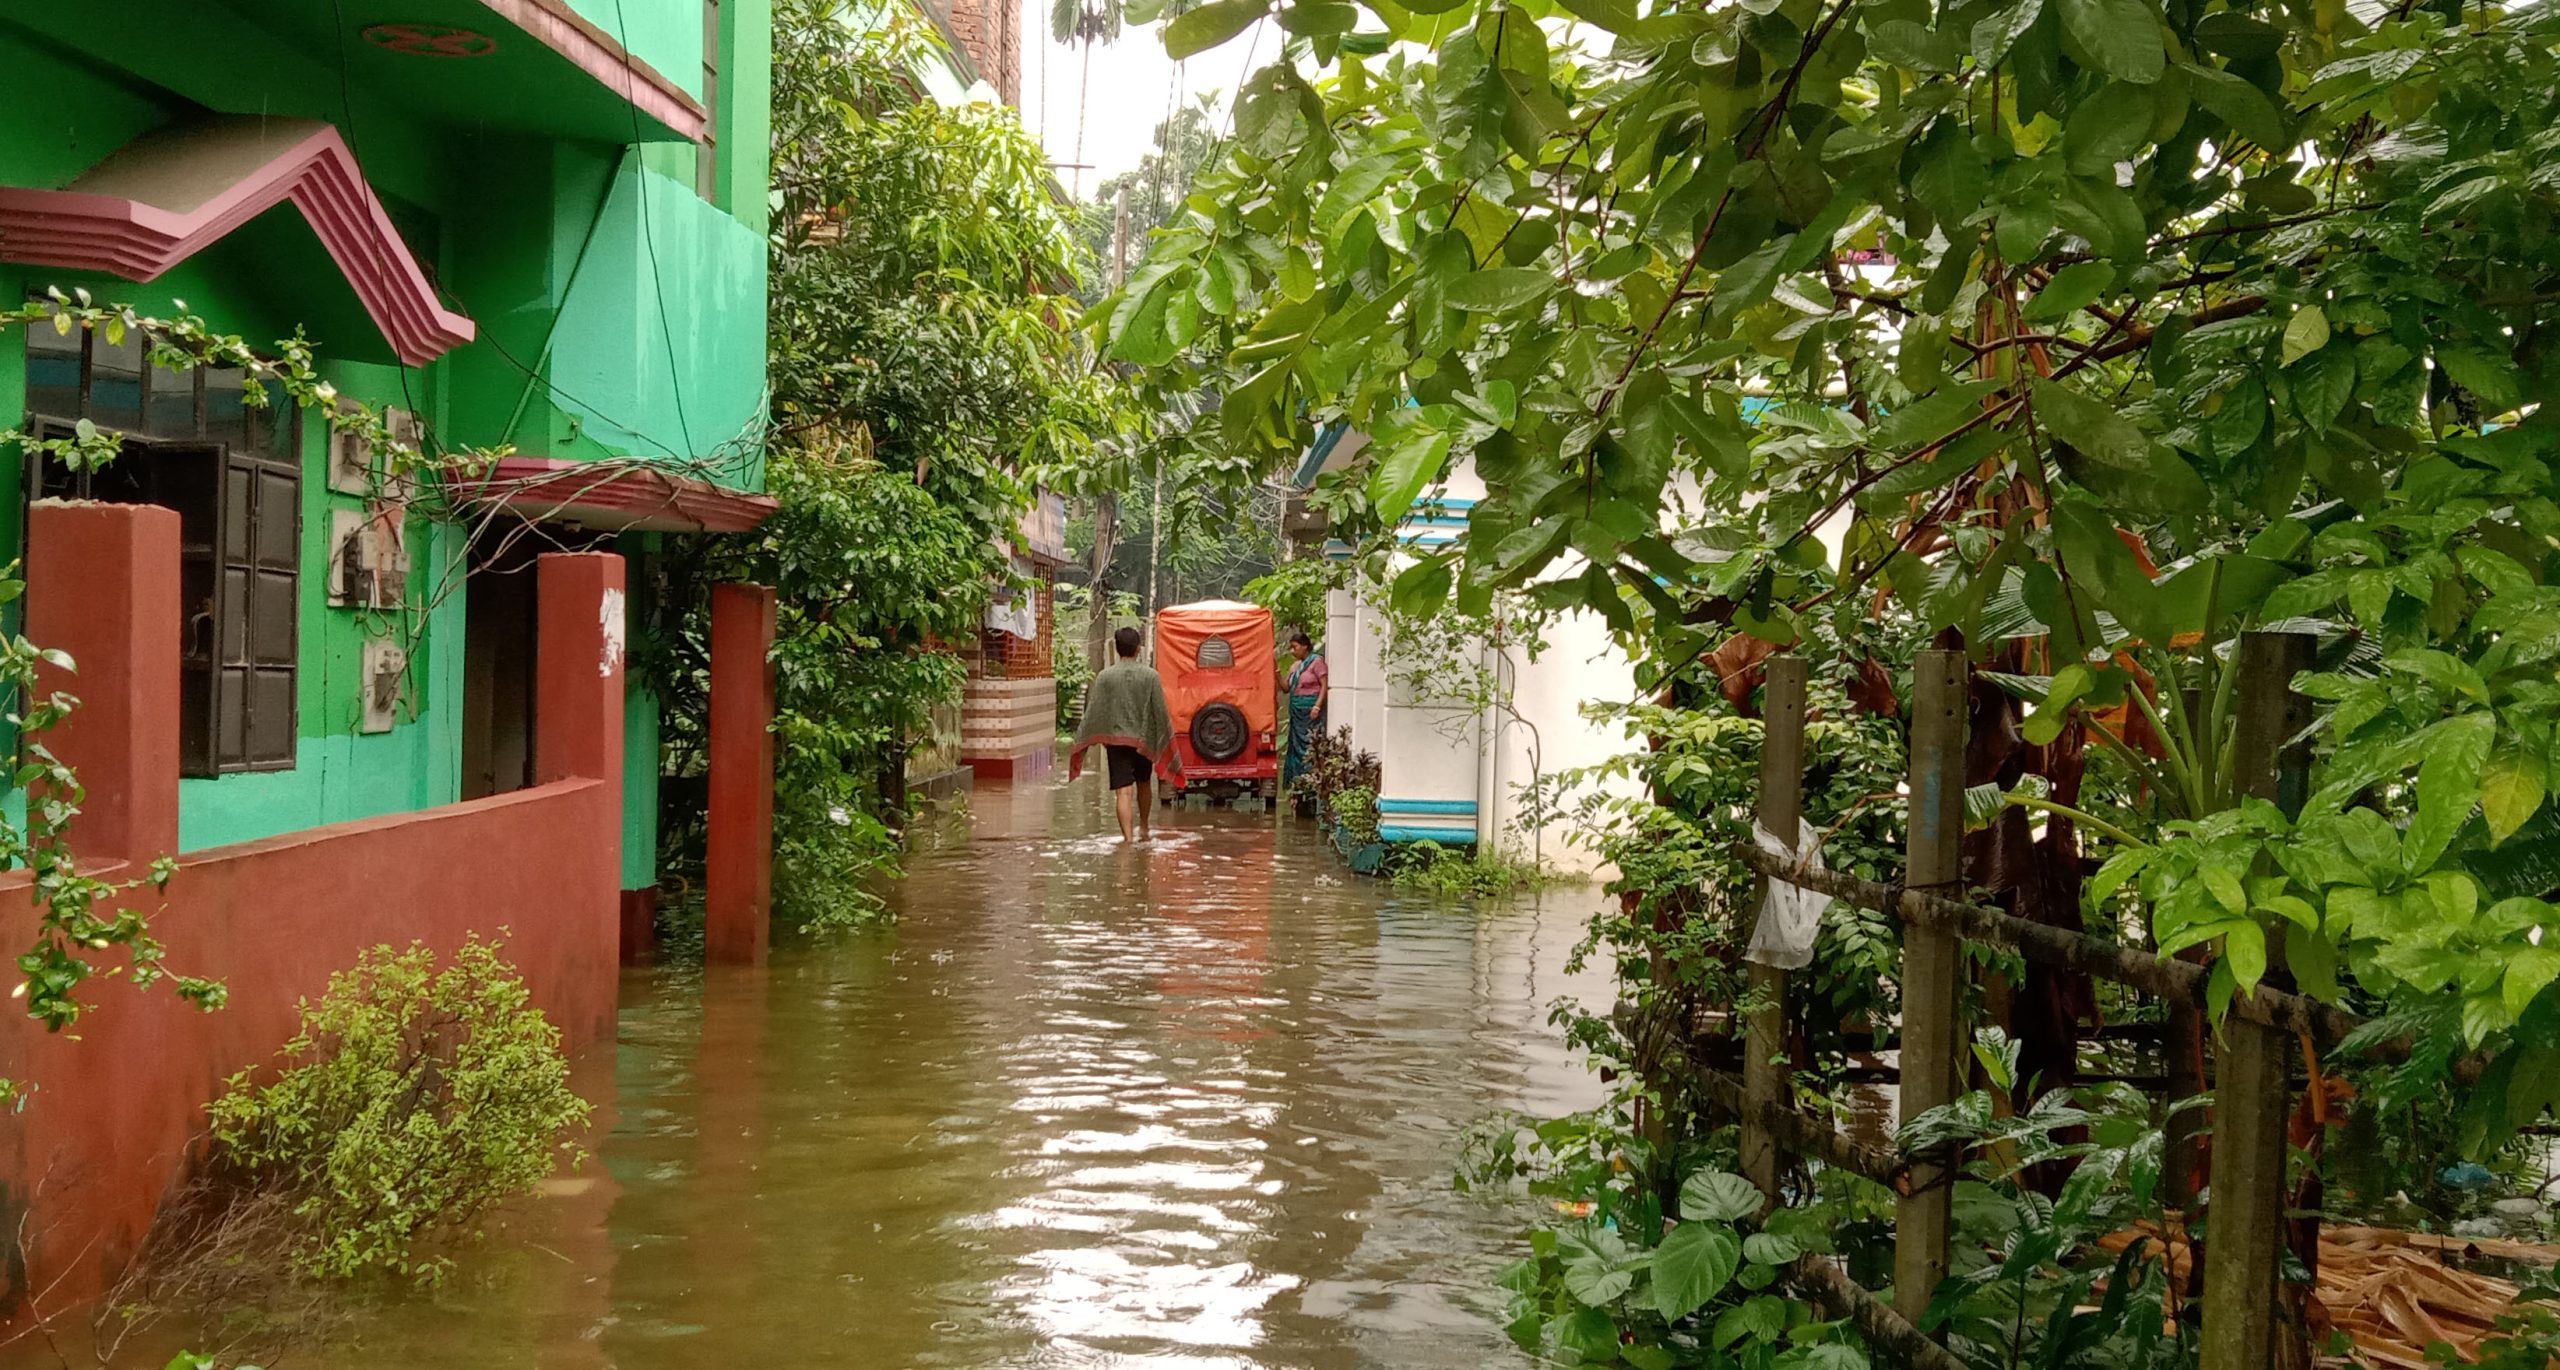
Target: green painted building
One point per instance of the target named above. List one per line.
(531, 227)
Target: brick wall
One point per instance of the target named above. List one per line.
(990, 31)
(1009, 721)
(1001, 654)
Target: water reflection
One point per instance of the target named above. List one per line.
(1188, 1106)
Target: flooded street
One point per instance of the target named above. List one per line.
(1190, 1106)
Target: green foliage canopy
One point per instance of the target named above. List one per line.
(2088, 331)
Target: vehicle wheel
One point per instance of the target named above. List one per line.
(1219, 734)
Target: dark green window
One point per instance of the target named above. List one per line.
(233, 473)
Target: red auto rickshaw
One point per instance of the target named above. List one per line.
(1221, 675)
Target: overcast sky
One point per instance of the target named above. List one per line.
(1124, 97)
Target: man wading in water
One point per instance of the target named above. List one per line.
(1125, 713)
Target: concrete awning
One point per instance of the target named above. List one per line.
(618, 497)
(176, 191)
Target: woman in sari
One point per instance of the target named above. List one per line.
(1307, 681)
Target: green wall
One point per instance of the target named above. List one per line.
(639, 788)
(746, 116)
(666, 34)
(651, 354)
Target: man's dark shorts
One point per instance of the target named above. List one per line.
(1128, 766)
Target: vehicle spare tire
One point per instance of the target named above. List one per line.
(1218, 732)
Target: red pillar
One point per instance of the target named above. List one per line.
(738, 881)
(577, 723)
(639, 925)
(102, 586)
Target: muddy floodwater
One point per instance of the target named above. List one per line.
(1191, 1106)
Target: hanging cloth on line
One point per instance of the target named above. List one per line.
(1790, 915)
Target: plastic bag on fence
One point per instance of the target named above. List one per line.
(1790, 916)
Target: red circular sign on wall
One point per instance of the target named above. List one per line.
(431, 40)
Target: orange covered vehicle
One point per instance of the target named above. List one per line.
(1221, 673)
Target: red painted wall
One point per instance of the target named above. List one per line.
(118, 1110)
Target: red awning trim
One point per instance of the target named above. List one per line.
(175, 191)
(595, 52)
(626, 498)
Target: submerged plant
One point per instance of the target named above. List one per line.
(1434, 869)
(414, 1098)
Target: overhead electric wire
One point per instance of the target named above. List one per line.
(347, 115)
(648, 239)
(754, 422)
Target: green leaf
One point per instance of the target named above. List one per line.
(2069, 684)
(1497, 288)
(2511, 789)
(2111, 126)
(1270, 110)
(1138, 333)
(2226, 887)
(2492, 378)
(1995, 35)
(1694, 1263)
(1908, 43)
(1403, 469)
(2322, 384)
(1589, 1333)
(1298, 276)
(1770, 1248)
(2099, 561)
(2244, 950)
(2121, 36)
(2122, 866)
(1597, 1282)
(2071, 287)
(1951, 179)
(2307, 333)
(2238, 103)
(1422, 589)
(1718, 1196)
(1352, 188)
(2452, 755)
(1761, 1318)
(2529, 968)
(2312, 960)
(1313, 18)
(1211, 24)
(1749, 281)
(2091, 425)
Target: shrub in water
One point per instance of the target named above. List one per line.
(415, 1096)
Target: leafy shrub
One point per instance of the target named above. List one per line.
(414, 1097)
(1355, 812)
(1429, 867)
(825, 862)
(1630, 1278)
(1335, 765)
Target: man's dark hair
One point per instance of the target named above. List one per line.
(1127, 641)
(1300, 638)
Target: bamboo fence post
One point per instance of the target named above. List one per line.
(1932, 1035)
(2243, 1316)
(1765, 1083)
(2182, 1049)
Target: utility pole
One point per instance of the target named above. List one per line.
(1120, 237)
(1097, 636)
(1106, 508)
